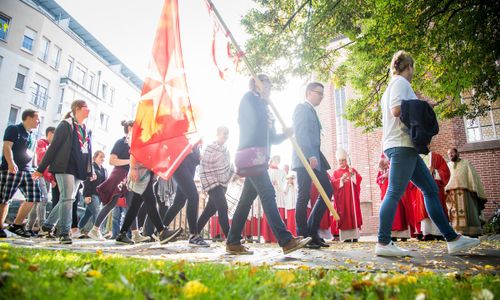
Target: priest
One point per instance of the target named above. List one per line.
(347, 187)
(465, 195)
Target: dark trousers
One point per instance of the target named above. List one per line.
(186, 190)
(309, 227)
(55, 196)
(261, 186)
(216, 203)
(148, 200)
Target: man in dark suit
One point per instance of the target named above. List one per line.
(307, 129)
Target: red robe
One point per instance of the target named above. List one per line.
(440, 167)
(327, 221)
(404, 212)
(343, 194)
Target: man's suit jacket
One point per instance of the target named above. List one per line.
(307, 130)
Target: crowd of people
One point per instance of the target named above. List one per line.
(423, 196)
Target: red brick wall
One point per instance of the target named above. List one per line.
(365, 152)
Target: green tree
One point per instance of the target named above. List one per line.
(455, 44)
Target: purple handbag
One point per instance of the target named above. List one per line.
(251, 161)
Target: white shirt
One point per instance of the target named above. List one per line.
(395, 132)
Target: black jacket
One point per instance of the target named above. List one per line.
(253, 121)
(89, 186)
(421, 121)
(59, 151)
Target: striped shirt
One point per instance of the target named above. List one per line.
(216, 168)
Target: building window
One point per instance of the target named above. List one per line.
(56, 57)
(40, 92)
(80, 75)
(103, 119)
(340, 121)
(104, 92)
(61, 102)
(111, 95)
(69, 70)
(28, 39)
(22, 73)
(44, 49)
(4, 26)
(486, 128)
(90, 82)
(14, 112)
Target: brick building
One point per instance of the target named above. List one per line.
(477, 141)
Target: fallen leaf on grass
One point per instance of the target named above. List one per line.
(34, 268)
(194, 289)
(9, 266)
(98, 252)
(252, 271)
(361, 284)
(94, 273)
(284, 277)
(70, 273)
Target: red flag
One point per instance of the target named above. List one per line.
(164, 128)
(226, 61)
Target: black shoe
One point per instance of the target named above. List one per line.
(65, 239)
(32, 233)
(19, 230)
(394, 239)
(3, 234)
(312, 245)
(428, 237)
(438, 237)
(347, 241)
(169, 235)
(320, 242)
(355, 240)
(404, 239)
(419, 236)
(122, 238)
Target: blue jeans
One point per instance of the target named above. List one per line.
(253, 186)
(91, 211)
(68, 186)
(407, 165)
(118, 218)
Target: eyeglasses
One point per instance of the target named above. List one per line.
(318, 92)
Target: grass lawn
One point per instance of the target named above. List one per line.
(46, 274)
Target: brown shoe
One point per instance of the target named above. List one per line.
(295, 244)
(238, 250)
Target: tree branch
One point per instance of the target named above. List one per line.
(287, 24)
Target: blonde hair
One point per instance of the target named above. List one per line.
(400, 61)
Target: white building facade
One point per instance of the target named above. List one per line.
(47, 60)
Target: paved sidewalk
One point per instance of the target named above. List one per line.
(358, 257)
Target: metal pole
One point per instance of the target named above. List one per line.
(295, 145)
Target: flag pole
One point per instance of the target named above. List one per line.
(349, 169)
(295, 145)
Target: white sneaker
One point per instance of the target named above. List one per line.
(462, 244)
(76, 234)
(137, 237)
(95, 234)
(390, 250)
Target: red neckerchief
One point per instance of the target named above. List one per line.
(81, 131)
